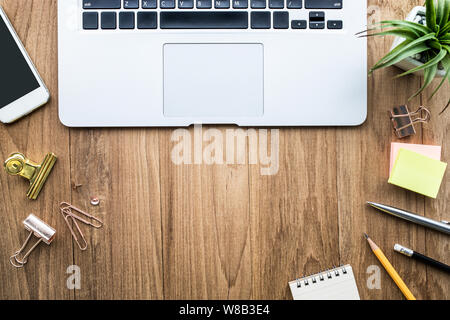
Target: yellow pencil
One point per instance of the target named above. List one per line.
(390, 269)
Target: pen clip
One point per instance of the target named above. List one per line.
(445, 222)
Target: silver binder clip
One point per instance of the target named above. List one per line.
(68, 212)
(41, 230)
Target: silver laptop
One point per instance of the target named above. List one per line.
(142, 63)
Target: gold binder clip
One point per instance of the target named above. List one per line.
(18, 164)
(41, 230)
(68, 212)
(403, 121)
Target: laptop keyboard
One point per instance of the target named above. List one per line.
(207, 14)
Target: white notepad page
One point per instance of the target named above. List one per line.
(335, 284)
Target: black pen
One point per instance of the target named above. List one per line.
(418, 256)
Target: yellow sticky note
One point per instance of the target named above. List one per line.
(417, 173)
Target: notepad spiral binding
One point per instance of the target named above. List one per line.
(321, 276)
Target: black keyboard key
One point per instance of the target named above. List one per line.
(222, 4)
(258, 4)
(276, 4)
(281, 20)
(299, 24)
(126, 20)
(204, 20)
(317, 25)
(101, 4)
(186, 4)
(149, 4)
(260, 20)
(204, 4)
(323, 4)
(109, 20)
(90, 20)
(240, 4)
(317, 16)
(167, 4)
(294, 4)
(335, 24)
(131, 4)
(147, 20)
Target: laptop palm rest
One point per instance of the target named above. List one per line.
(213, 80)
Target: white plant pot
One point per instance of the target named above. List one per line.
(410, 63)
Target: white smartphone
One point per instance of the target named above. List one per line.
(21, 87)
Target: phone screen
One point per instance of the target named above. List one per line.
(16, 77)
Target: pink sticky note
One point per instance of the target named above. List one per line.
(433, 152)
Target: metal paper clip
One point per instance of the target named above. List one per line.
(68, 212)
(41, 230)
(403, 121)
(18, 164)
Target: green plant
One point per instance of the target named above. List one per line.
(432, 41)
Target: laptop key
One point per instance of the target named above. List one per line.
(204, 20)
(101, 4)
(149, 4)
(109, 20)
(240, 4)
(294, 4)
(317, 25)
(186, 4)
(276, 4)
(204, 4)
(334, 24)
(281, 20)
(318, 16)
(222, 4)
(90, 20)
(258, 4)
(323, 4)
(147, 20)
(260, 20)
(299, 24)
(167, 4)
(131, 4)
(126, 20)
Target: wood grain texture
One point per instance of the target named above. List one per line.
(220, 231)
(206, 227)
(45, 275)
(363, 170)
(436, 244)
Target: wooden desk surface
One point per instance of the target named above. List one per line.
(216, 231)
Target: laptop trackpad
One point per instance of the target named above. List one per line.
(213, 80)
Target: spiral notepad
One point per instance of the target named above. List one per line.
(335, 284)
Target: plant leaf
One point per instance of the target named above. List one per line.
(405, 45)
(431, 14)
(390, 55)
(408, 53)
(445, 108)
(400, 32)
(440, 11)
(445, 30)
(429, 74)
(445, 13)
(428, 64)
(446, 48)
(423, 30)
(446, 64)
(435, 44)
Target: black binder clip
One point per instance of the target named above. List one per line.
(403, 121)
